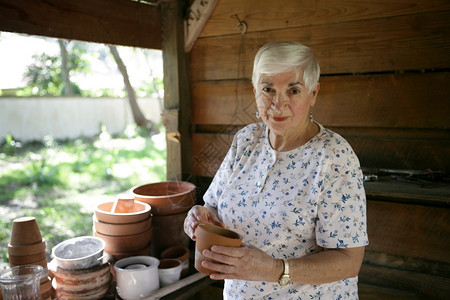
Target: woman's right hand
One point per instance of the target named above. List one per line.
(200, 214)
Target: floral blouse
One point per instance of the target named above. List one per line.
(290, 203)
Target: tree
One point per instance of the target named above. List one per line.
(138, 116)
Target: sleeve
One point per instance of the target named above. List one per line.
(341, 219)
(220, 180)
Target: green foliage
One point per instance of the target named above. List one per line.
(44, 77)
(59, 182)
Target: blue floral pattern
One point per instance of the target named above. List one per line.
(290, 203)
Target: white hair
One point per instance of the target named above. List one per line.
(279, 57)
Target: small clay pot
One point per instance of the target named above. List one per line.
(168, 197)
(141, 252)
(208, 235)
(27, 250)
(121, 229)
(180, 253)
(42, 263)
(25, 231)
(126, 243)
(169, 271)
(141, 211)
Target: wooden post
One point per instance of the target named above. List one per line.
(177, 95)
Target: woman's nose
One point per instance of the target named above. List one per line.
(278, 101)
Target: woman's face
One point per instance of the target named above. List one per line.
(284, 102)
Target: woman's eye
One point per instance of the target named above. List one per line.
(267, 89)
(295, 91)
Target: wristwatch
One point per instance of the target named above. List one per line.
(285, 279)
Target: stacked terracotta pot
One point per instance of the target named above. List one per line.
(27, 247)
(79, 269)
(170, 202)
(125, 225)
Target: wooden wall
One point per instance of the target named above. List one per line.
(385, 72)
(384, 87)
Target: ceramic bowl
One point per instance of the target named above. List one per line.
(79, 253)
(126, 243)
(27, 250)
(141, 211)
(168, 197)
(208, 235)
(25, 231)
(121, 229)
(134, 282)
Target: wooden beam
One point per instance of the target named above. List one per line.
(119, 22)
(177, 99)
(199, 13)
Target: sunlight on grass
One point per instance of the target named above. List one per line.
(60, 183)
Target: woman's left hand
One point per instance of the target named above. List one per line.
(245, 263)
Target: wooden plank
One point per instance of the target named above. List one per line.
(199, 12)
(414, 231)
(383, 101)
(176, 91)
(424, 286)
(264, 15)
(208, 152)
(375, 147)
(411, 42)
(121, 22)
(372, 292)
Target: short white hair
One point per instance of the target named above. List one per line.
(279, 57)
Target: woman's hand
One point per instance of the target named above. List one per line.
(200, 214)
(246, 263)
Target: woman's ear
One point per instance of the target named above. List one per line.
(314, 93)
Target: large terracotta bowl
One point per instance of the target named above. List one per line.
(126, 243)
(121, 229)
(141, 211)
(168, 197)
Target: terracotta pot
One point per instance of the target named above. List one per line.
(169, 271)
(126, 243)
(141, 211)
(42, 263)
(168, 197)
(27, 259)
(208, 235)
(124, 204)
(90, 283)
(168, 232)
(121, 229)
(25, 231)
(27, 250)
(141, 252)
(180, 253)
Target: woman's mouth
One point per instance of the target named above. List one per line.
(279, 119)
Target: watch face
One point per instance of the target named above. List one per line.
(284, 280)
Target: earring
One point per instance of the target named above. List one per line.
(311, 118)
(258, 116)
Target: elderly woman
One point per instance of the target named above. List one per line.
(291, 188)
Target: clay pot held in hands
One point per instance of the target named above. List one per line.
(208, 235)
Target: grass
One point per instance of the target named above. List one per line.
(60, 182)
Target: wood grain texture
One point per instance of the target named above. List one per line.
(120, 22)
(271, 15)
(411, 42)
(415, 231)
(384, 100)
